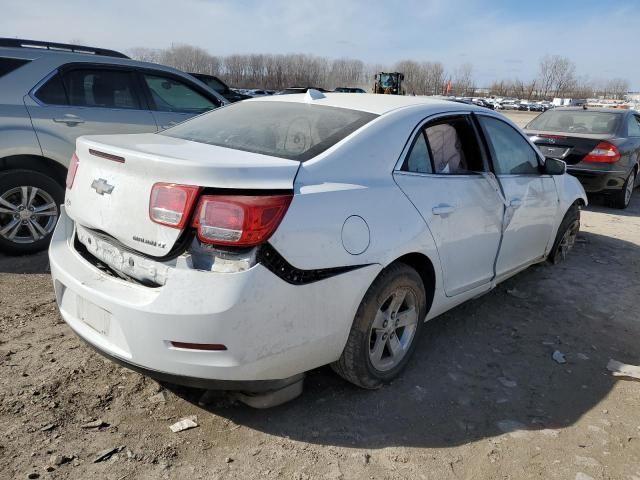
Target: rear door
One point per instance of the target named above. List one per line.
(443, 174)
(86, 99)
(531, 197)
(173, 99)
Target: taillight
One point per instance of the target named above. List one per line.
(171, 204)
(71, 172)
(242, 221)
(604, 152)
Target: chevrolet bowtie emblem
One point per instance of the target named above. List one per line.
(101, 186)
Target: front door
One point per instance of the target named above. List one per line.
(86, 100)
(442, 174)
(531, 198)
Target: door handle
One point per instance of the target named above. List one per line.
(443, 209)
(168, 125)
(515, 203)
(69, 120)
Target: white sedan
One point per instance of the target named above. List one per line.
(251, 244)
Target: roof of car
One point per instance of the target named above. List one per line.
(619, 111)
(368, 102)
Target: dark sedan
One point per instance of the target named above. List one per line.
(220, 87)
(601, 147)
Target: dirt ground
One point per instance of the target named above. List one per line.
(481, 399)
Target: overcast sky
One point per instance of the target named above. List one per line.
(501, 38)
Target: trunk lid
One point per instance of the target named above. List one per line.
(112, 186)
(570, 147)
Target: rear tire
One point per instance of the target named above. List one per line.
(385, 329)
(566, 236)
(622, 198)
(29, 209)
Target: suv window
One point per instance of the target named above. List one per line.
(418, 160)
(101, 88)
(8, 65)
(453, 147)
(52, 92)
(171, 95)
(633, 128)
(512, 154)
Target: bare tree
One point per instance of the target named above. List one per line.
(556, 75)
(617, 88)
(462, 80)
(143, 54)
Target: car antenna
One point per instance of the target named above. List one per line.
(313, 94)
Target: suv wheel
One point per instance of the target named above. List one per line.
(29, 210)
(385, 329)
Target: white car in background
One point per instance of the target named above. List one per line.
(509, 105)
(249, 245)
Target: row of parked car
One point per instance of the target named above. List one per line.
(505, 104)
(236, 94)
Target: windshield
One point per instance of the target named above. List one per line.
(296, 131)
(576, 121)
(387, 81)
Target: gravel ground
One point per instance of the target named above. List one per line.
(481, 399)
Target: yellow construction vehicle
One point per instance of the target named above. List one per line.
(389, 83)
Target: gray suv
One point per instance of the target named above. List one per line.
(50, 94)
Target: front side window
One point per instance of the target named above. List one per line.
(633, 129)
(101, 88)
(170, 95)
(453, 147)
(291, 130)
(512, 154)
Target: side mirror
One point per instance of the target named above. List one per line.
(554, 166)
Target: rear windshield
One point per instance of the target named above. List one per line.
(296, 131)
(8, 65)
(576, 121)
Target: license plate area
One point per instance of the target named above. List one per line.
(555, 152)
(92, 315)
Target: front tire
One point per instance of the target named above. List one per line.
(385, 329)
(566, 236)
(29, 209)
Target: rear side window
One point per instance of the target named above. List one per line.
(576, 121)
(101, 88)
(8, 65)
(633, 128)
(512, 154)
(52, 92)
(170, 95)
(296, 131)
(418, 160)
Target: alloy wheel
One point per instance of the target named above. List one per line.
(393, 329)
(631, 181)
(27, 214)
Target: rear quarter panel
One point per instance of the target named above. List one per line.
(17, 136)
